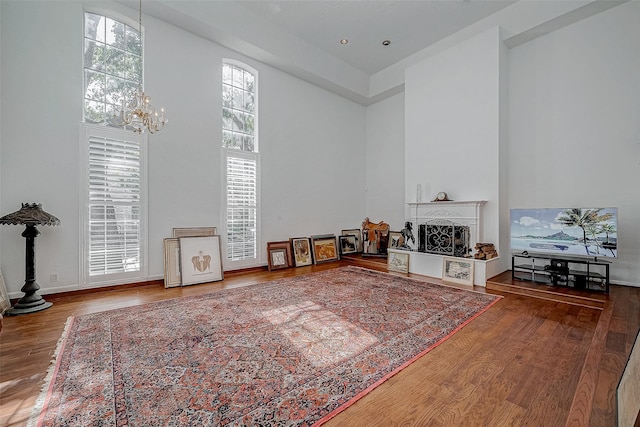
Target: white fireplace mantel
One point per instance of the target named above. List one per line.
(466, 213)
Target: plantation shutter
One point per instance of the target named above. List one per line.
(241, 208)
(114, 235)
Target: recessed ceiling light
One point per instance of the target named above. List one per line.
(386, 42)
(344, 41)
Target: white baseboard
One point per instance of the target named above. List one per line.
(77, 287)
(624, 283)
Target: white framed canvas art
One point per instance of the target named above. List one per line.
(200, 260)
(5, 302)
(172, 262)
(193, 231)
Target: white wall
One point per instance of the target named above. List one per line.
(452, 108)
(385, 162)
(313, 145)
(41, 109)
(313, 169)
(574, 128)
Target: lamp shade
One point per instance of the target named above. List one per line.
(30, 214)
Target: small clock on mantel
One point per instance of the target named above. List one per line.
(441, 197)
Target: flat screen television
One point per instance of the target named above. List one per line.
(590, 232)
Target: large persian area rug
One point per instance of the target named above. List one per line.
(290, 352)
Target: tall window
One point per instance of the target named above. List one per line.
(114, 160)
(241, 169)
(114, 207)
(112, 66)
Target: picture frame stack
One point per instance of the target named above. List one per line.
(357, 233)
(348, 244)
(192, 255)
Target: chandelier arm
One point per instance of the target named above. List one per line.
(140, 114)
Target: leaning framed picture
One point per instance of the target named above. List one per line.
(457, 270)
(172, 277)
(355, 232)
(200, 260)
(193, 231)
(324, 248)
(5, 302)
(279, 255)
(398, 261)
(348, 244)
(301, 251)
(395, 240)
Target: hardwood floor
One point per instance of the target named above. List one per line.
(525, 361)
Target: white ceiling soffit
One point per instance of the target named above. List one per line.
(302, 37)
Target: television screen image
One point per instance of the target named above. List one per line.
(591, 232)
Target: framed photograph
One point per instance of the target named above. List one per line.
(194, 232)
(172, 277)
(398, 261)
(348, 244)
(355, 232)
(279, 255)
(324, 248)
(5, 302)
(457, 270)
(395, 240)
(301, 251)
(200, 260)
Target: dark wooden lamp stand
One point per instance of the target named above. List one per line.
(30, 215)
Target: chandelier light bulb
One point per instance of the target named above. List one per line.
(139, 114)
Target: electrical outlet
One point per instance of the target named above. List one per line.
(53, 277)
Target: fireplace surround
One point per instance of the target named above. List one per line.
(460, 222)
(447, 228)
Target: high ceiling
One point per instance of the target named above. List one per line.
(409, 25)
(302, 37)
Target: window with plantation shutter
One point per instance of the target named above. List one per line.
(241, 208)
(241, 168)
(115, 194)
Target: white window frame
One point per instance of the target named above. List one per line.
(123, 19)
(247, 263)
(88, 131)
(250, 155)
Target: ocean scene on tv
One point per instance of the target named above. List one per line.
(573, 231)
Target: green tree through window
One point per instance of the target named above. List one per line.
(242, 172)
(112, 67)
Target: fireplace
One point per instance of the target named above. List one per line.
(443, 229)
(443, 237)
(448, 228)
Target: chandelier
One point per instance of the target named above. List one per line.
(139, 114)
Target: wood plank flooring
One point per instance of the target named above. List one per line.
(524, 362)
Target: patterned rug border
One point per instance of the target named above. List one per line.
(39, 409)
(390, 375)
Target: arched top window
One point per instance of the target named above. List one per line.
(241, 165)
(112, 66)
(239, 107)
